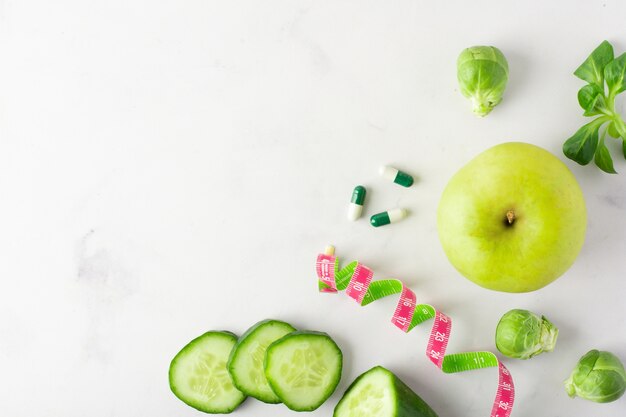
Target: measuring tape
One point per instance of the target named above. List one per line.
(356, 279)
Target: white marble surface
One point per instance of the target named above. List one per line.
(170, 167)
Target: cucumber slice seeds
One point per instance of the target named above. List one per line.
(380, 393)
(303, 368)
(198, 375)
(247, 359)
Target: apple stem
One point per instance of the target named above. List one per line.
(510, 216)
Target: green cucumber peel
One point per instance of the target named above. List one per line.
(606, 78)
(380, 393)
(246, 361)
(303, 369)
(198, 375)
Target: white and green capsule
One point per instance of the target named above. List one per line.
(389, 216)
(356, 203)
(395, 175)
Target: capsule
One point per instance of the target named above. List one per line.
(356, 203)
(386, 217)
(397, 176)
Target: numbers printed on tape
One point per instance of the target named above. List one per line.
(326, 272)
(403, 314)
(359, 283)
(439, 335)
(407, 314)
(505, 394)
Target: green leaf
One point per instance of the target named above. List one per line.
(624, 147)
(620, 126)
(597, 106)
(603, 159)
(592, 70)
(582, 146)
(614, 75)
(612, 130)
(588, 95)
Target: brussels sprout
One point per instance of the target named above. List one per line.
(483, 73)
(599, 376)
(522, 334)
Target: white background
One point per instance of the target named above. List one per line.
(171, 167)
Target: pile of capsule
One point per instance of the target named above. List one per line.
(386, 217)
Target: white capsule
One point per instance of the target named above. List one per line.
(356, 203)
(387, 217)
(396, 215)
(388, 173)
(354, 212)
(394, 175)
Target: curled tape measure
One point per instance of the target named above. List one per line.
(356, 280)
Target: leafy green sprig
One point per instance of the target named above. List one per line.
(597, 100)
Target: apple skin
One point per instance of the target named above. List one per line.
(548, 223)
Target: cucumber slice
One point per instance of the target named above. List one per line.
(379, 393)
(198, 374)
(246, 359)
(303, 369)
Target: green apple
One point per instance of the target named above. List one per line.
(513, 219)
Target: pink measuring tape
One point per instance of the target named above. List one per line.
(356, 279)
